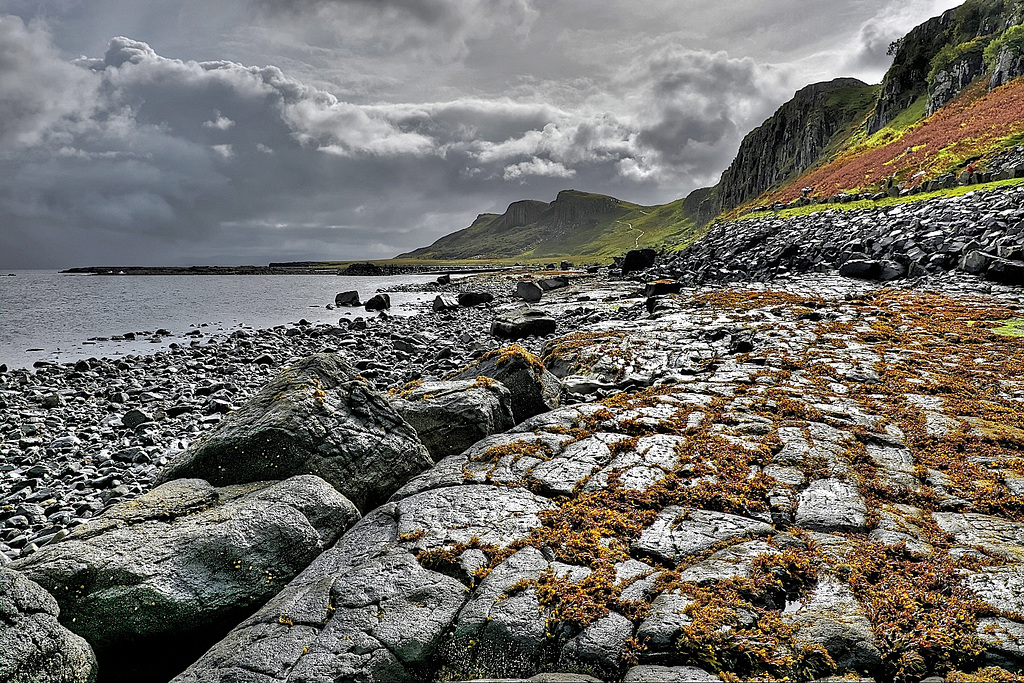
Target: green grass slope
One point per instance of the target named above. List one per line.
(576, 225)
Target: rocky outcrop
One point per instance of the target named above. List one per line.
(534, 390)
(34, 647)
(907, 78)
(1008, 66)
(980, 233)
(316, 417)
(791, 141)
(153, 582)
(951, 80)
(779, 501)
(449, 417)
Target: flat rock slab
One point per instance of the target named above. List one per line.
(315, 417)
(831, 505)
(183, 563)
(651, 673)
(998, 536)
(449, 417)
(678, 533)
(832, 617)
(34, 647)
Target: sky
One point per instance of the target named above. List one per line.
(178, 132)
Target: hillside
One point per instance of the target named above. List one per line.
(951, 99)
(575, 224)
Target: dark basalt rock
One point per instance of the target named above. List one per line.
(347, 299)
(523, 324)
(378, 302)
(638, 259)
(316, 417)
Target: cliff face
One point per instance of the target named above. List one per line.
(788, 143)
(942, 56)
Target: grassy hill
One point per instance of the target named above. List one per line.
(577, 225)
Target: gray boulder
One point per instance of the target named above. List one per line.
(599, 646)
(638, 259)
(534, 389)
(451, 416)
(550, 283)
(1005, 271)
(523, 324)
(315, 417)
(529, 291)
(34, 647)
(378, 302)
(470, 299)
(445, 302)
(347, 299)
(182, 564)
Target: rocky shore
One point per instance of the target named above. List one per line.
(804, 477)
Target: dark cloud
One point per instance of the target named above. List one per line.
(385, 123)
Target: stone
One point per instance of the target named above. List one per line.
(678, 533)
(831, 505)
(832, 617)
(550, 283)
(598, 648)
(347, 299)
(638, 259)
(133, 418)
(445, 279)
(662, 287)
(445, 302)
(1001, 537)
(666, 616)
(534, 390)
(315, 417)
(651, 673)
(470, 299)
(182, 564)
(34, 647)
(378, 302)
(529, 291)
(528, 323)
(449, 417)
(1005, 271)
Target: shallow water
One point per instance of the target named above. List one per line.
(49, 316)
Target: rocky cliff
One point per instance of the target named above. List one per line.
(791, 141)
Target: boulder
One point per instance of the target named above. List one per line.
(34, 647)
(445, 279)
(347, 299)
(529, 291)
(662, 287)
(534, 390)
(523, 324)
(870, 269)
(315, 417)
(445, 302)
(638, 259)
(451, 416)
(367, 609)
(974, 262)
(831, 505)
(1005, 271)
(378, 302)
(470, 299)
(153, 582)
(550, 283)
(649, 673)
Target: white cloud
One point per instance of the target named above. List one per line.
(537, 167)
(220, 122)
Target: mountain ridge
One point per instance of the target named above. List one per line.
(838, 122)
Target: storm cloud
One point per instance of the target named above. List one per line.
(425, 113)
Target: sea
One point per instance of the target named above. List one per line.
(57, 317)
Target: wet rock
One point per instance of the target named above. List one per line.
(347, 299)
(550, 283)
(378, 302)
(449, 417)
(598, 648)
(315, 417)
(34, 647)
(529, 291)
(831, 505)
(833, 618)
(445, 302)
(182, 564)
(523, 324)
(638, 259)
(470, 299)
(649, 673)
(534, 390)
(678, 533)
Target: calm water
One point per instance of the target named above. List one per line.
(48, 316)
